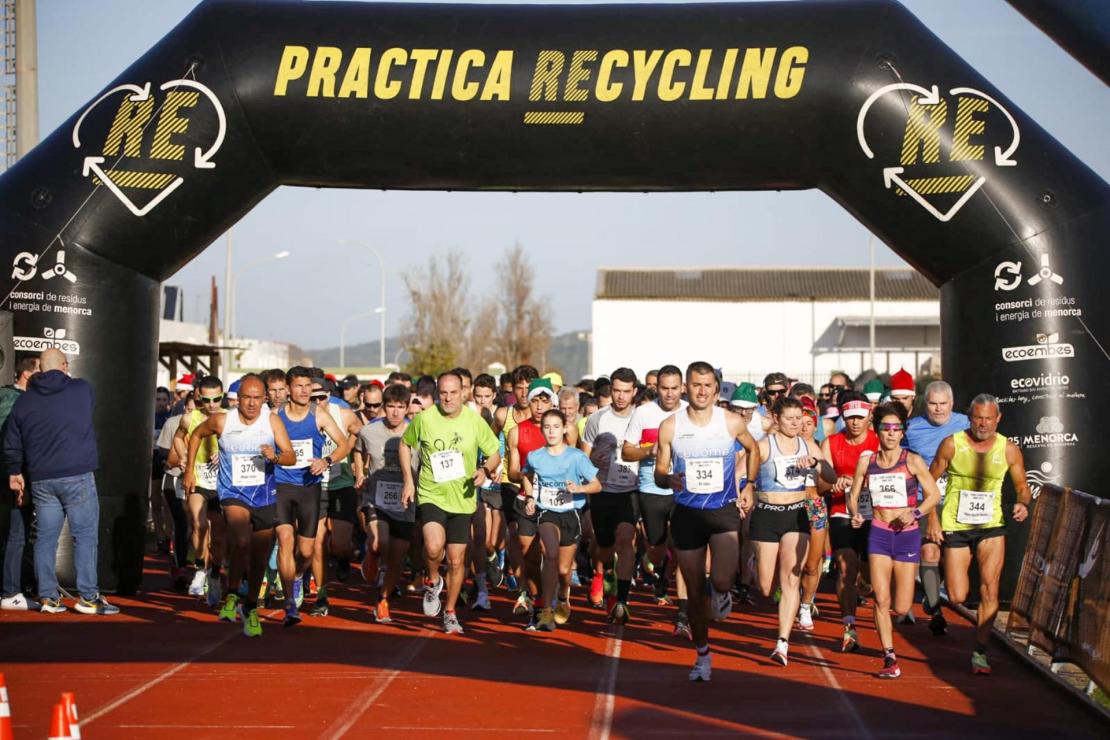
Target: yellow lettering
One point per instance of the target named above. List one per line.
(127, 127)
(698, 90)
(294, 61)
(643, 65)
(967, 125)
(755, 73)
(170, 123)
(499, 82)
(461, 89)
(577, 75)
(421, 58)
(727, 65)
(608, 91)
(923, 131)
(443, 66)
(385, 88)
(668, 89)
(356, 81)
(791, 72)
(545, 78)
(321, 80)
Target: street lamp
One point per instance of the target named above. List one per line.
(343, 333)
(231, 279)
(380, 310)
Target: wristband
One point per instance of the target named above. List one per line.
(328, 460)
(917, 514)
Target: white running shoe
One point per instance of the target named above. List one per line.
(451, 624)
(779, 655)
(720, 604)
(805, 618)
(19, 603)
(702, 669)
(215, 591)
(432, 604)
(196, 586)
(481, 602)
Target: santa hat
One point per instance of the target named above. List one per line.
(901, 384)
(184, 383)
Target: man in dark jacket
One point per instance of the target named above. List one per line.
(15, 520)
(49, 437)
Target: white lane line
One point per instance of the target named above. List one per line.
(367, 698)
(430, 728)
(208, 727)
(862, 730)
(604, 700)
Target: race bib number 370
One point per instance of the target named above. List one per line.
(248, 470)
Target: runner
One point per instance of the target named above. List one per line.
(696, 459)
(388, 523)
(205, 517)
(902, 391)
(923, 436)
(489, 502)
(849, 545)
(251, 441)
(744, 401)
(298, 485)
(976, 462)
(897, 479)
(818, 512)
(370, 403)
(277, 390)
(448, 436)
(556, 479)
(651, 380)
(505, 420)
(613, 510)
(780, 524)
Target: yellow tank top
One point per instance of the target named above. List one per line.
(973, 498)
(510, 424)
(209, 448)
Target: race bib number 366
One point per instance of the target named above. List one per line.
(888, 491)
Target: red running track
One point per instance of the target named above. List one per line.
(166, 668)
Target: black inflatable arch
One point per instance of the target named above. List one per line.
(855, 98)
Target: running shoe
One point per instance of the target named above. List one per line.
(196, 586)
(96, 605)
(562, 611)
(610, 579)
(938, 625)
(546, 622)
(743, 594)
(908, 618)
(720, 604)
(252, 625)
(298, 592)
(451, 624)
(619, 614)
(511, 583)
(494, 573)
(369, 568)
(597, 590)
(849, 643)
(381, 612)
(575, 581)
(890, 668)
(19, 603)
(778, 595)
(779, 655)
(682, 627)
(805, 618)
(481, 601)
(230, 610)
(319, 609)
(813, 608)
(52, 606)
(432, 604)
(660, 587)
(292, 616)
(979, 665)
(213, 589)
(702, 669)
(523, 604)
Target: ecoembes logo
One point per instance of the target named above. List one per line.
(1047, 347)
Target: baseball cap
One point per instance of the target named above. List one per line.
(776, 379)
(555, 378)
(901, 384)
(855, 408)
(233, 389)
(539, 387)
(744, 396)
(727, 389)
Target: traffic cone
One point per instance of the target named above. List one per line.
(59, 724)
(69, 701)
(6, 732)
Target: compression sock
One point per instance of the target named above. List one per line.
(930, 583)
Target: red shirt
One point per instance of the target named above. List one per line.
(845, 457)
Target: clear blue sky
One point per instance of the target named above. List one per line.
(84, 45)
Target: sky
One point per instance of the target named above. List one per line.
(752, 229)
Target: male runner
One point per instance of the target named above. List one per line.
(370, 407)
(449, 436)
(976, 462)
(902, 390)
(489, 503)
(298, 485)
(696, 458)
(251, 441)
(277, 391)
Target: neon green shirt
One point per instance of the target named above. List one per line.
(449, 456)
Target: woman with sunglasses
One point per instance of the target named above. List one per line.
(895, 477)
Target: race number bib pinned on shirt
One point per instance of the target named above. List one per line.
(864, 503)
(248, 470)
(302, 448)
(789, 472)
(447, 466)
(888, 491)
(387, 495)
(206, 473)
(976, 507)
(705, 475)
(553, 497)
(621, 474)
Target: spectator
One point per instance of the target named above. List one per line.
(19, 526)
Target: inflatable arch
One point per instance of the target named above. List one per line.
(856, 98)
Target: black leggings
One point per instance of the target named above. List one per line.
(180, 527)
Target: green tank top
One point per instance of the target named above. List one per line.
(973, 498)
(339, 474)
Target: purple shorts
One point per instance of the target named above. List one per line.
(901, 547)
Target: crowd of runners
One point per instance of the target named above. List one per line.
(449, 487)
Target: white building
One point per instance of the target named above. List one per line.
(248, 354)
(748, 322)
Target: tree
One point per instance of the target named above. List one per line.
(524, 330)
(437, 327)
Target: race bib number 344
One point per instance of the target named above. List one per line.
(976, 507)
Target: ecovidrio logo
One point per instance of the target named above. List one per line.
(1047, 347)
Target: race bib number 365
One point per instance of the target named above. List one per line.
(302, 448)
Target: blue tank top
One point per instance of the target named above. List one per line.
(707, 458)
(782, 473)
(308, 442)
(244, 474)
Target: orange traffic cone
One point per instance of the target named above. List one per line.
(69, 701)
(6, 732)
(59, 724)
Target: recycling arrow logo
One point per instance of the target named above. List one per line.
(943, 146)
(148, 140)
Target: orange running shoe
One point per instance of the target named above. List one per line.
(597, 590)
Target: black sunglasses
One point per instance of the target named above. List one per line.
(373, 405)
(775, 391)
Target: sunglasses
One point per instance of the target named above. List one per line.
(373, 405)
(211, 399)
(890, 427)
(319, 396)
(774, 391)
